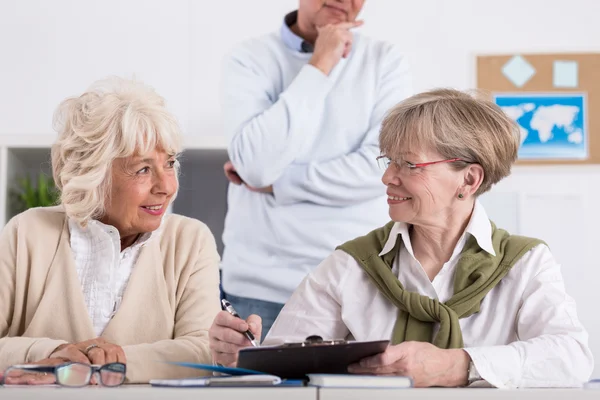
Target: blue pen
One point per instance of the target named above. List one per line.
(229, 308)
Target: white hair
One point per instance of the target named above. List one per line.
(115, 118)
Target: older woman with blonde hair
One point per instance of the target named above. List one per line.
(460, 300)
(107, 276)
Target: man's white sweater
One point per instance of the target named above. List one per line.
(314, 138)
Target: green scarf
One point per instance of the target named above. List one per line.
(477, 272)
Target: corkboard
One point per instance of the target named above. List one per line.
(491, 79)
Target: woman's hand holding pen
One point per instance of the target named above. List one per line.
(227, 336)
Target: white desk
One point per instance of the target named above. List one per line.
(144, 392)
(457, 394)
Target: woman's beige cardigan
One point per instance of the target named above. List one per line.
(169, 304)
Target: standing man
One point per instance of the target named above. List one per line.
(302, 111)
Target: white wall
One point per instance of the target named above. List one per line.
(52, 49)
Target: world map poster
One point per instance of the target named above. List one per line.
(552, 125)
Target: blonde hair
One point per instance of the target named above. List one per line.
(115, 118)
(456, 125)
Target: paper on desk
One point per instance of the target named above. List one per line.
(238, 380)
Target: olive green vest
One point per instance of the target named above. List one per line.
(477, 272)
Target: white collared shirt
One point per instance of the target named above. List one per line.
(526, 334)
(103, 269)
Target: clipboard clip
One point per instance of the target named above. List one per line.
(315, 340)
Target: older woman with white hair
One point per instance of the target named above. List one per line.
(460, 300)
(107, 276)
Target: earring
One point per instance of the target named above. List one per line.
(460, 196)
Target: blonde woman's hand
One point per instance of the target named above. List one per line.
(94, 351)
(227, 338)
(25, 377)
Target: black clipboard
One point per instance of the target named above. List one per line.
(295, 360)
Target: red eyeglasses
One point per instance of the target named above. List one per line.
(384, 162)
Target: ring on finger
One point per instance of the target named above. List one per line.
(90, 347)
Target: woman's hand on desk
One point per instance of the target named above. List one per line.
(227, 336)
(95, 351)
(425, 363)
(24, 377)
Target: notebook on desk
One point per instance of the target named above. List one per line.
(220, 381)
(359, 381)
(233, 377)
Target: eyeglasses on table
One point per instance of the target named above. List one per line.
(71, 374)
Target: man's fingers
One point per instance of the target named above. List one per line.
(347, 50)
(233, 177)
(228, 166)
(349, 25)
(266, 189)
(232, 174)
